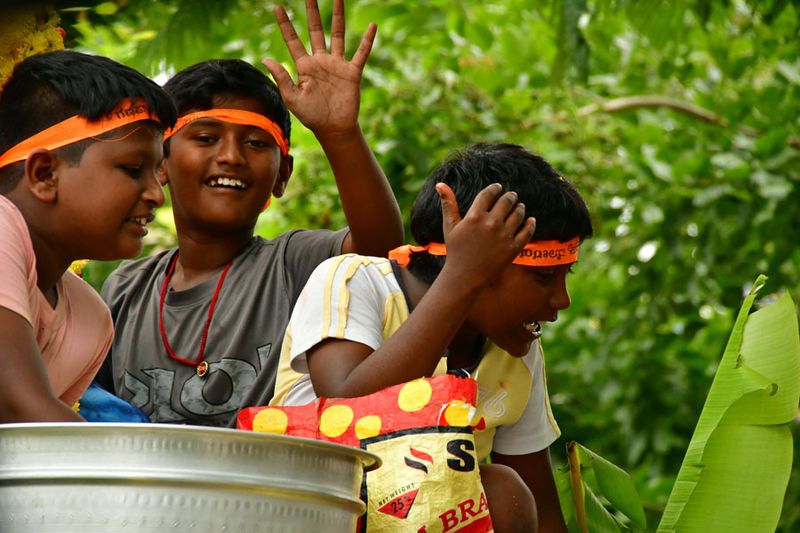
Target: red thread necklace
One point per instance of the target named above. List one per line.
(198, 363)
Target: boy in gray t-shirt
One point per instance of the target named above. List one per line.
(199, 328)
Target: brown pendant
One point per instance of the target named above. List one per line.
(202, 368)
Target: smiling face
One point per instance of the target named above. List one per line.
(106, 199)
(509, 311)
(220, 174)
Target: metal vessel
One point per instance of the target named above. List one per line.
(145, 478)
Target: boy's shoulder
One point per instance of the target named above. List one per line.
(353, 262)
(84, 298)
(142, 266)
(303, 238)
(9, 212)
(299, 251)
(130, 276)
(363, 275)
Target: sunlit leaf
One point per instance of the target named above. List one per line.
(106, 8)
(738, 463)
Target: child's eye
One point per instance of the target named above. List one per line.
(203, 138)
(544, 274)
(257, 143)
(133, 171)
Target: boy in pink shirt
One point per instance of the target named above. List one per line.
(80, 140)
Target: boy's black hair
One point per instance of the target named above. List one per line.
(47, 88)
(560, 212)
(194, 89)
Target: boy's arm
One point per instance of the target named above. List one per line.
(536, 471)
(326, 100)
(25, 393)
(488, 238)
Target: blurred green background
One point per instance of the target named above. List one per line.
(678, 121)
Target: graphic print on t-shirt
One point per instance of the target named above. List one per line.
(222, 390)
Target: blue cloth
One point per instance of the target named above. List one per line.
(99, 405)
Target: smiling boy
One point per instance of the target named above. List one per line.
(80, 140)
(199, 328)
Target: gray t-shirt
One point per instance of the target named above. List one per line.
(244, 339)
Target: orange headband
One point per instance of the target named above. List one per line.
(235, 116)
(536, 253)
(78, 128)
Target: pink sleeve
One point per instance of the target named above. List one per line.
(17, 262)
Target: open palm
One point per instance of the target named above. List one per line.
(326, 97)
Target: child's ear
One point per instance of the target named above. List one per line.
(161, 172)
(40, 174)
(284, 173)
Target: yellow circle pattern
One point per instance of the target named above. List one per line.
(457, 414)
(414, 395)
(270, 421)
(368, 426)
(335, 420)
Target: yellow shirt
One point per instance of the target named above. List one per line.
(359, 299)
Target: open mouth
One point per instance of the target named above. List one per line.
(534, 328)
(224, 182)
(142, 221)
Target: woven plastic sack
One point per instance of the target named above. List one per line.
(429, 481)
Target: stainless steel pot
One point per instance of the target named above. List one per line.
(145, 478)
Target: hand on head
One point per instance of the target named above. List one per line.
(488, 238)
(326, 97)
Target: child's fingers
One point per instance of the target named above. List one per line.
(525, 233)
(281, 76)
(337, 29)
(316, 33)
(486, 198)
(296, 47)
(505, 205)
(362, 54)
(450, 215)
(516, 216)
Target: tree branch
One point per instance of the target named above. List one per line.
(633, 102)
(646, 101)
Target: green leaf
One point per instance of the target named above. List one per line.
(106, 8)
(600, 520)
(790, 71)
(739, 460)
(617, 487)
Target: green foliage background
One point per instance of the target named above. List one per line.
(692, 194)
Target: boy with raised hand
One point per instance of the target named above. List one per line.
(364, 323)
(80, 140)
(199, 328)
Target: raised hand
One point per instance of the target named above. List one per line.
(491, 234)
(326, 97)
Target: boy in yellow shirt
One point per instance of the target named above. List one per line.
(472, 297)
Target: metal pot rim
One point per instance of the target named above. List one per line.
(369, 460)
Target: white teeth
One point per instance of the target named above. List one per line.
(227, 182)
(534, 328)
(142, 221)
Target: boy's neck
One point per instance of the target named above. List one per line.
(201, 258)
(49, 269)
(50, 263)
(465, 349)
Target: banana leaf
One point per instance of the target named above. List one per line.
(737, 466)
(588, 485)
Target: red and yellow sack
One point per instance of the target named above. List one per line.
(429, 481)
